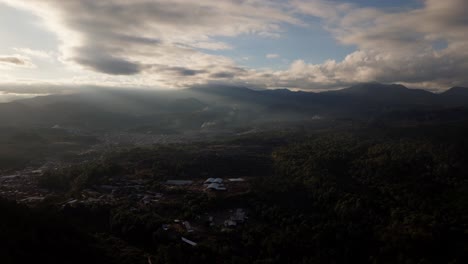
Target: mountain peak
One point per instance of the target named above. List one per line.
(386, 93)
(372, 88)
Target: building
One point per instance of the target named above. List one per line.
(190, 242)
(218, 180)
(216, 187)
(178, 182)
(187, 226)
(209, 180)
(237, 218)
(236, 180)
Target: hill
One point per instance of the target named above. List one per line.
(221, 107)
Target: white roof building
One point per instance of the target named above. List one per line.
(218, 180)
(216, 186)
(178, 182)
(236, 180)
(209, 180)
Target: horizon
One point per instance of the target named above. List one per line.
(11, 93)
(294, 44)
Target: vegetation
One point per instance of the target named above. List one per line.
(20, 147)
(160, 163)
(367, 201)
(363, 196)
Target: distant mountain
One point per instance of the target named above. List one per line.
(225, 107)
(362, 101)
(370, 93)
(225, 90)
(387, 93)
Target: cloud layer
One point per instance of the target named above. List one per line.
(166, 42)
(15, 61)
(424, 46)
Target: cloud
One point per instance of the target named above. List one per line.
(16, 61)
(12, 60)
(223, 75)
(393, 46)
(170, 43)
(176, 71)
(108, 64)
(34, 53)
(272, 56)
(126, 38)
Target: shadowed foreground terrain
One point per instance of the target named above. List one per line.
(361, 197)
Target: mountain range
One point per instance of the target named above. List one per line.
(216, 106)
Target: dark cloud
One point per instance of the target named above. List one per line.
(230, 72)
(223, 75)
(110, 65)
(139, 40)
(173, 71)
(185, 71)
(13, 60)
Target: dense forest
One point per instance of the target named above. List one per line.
(363, 196)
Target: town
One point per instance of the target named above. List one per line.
(23, 187)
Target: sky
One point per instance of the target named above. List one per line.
(311, 45)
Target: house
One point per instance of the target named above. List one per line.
(209, 180)
(36, 172)
(148, 199)
(213, 180)
(216, 187)
(236, 180)
(70, 202)
(238, 217)
(218, 180)
(187, 226)
(179, 182)
(189, 241)
(33, 199)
